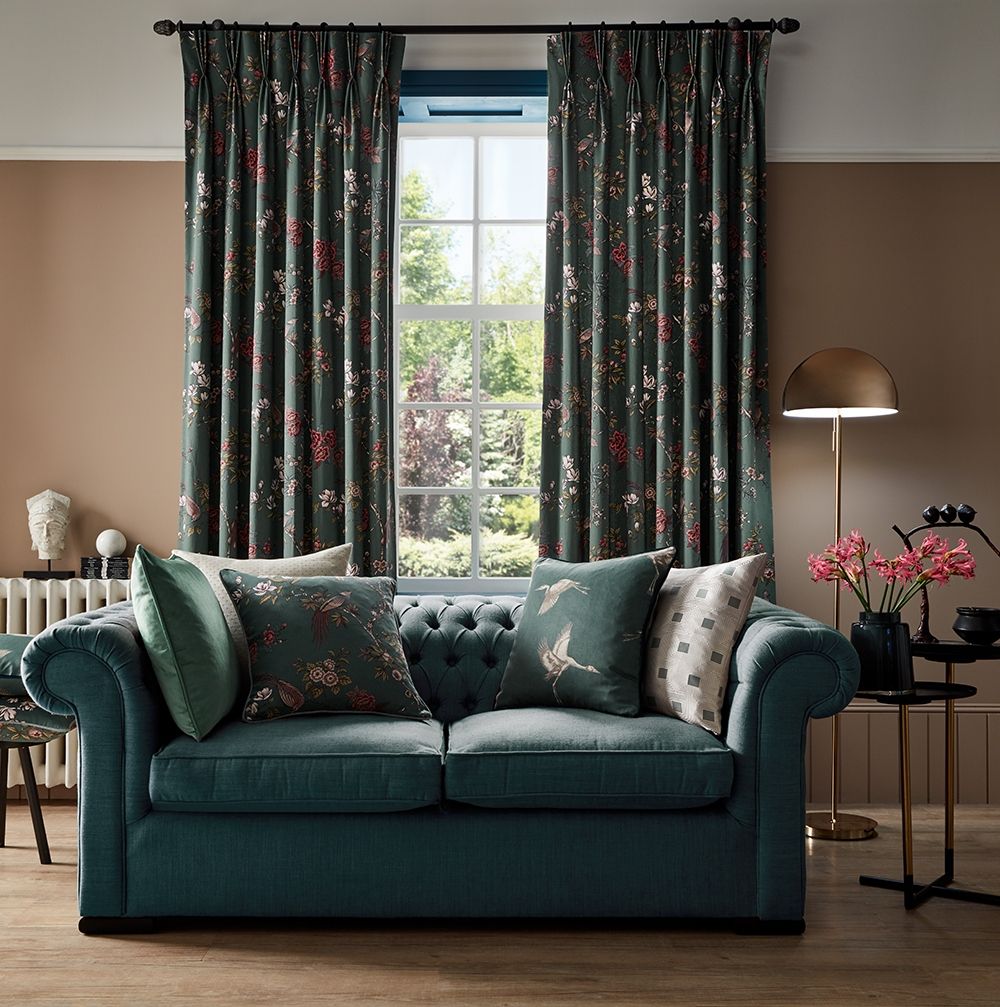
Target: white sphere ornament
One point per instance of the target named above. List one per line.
(111, 542)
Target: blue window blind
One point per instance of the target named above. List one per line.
(473, 96)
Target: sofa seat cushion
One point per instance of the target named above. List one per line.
(564, 758)
(357, 762)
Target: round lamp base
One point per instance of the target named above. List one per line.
(821, 825)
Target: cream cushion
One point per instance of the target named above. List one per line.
(325, 563)
(699, 614)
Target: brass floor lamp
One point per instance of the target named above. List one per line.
(835, 384)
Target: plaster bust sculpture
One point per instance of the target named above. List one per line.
(48, 522)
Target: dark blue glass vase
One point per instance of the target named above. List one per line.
(882, 641)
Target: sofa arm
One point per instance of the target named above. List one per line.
(93, 667)
(787, 668)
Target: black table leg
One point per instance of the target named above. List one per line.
(34, 805)
(914, 894)
(950, 779)
(3, 795)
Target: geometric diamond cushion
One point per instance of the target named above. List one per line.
(699, 615)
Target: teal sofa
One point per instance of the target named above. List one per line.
(479, 813)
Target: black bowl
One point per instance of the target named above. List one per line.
(980, 626)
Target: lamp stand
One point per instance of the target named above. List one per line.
(830, 824)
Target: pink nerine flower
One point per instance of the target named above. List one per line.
(847, 561)
(822, 568)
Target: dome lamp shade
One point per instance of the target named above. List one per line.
(840, 382)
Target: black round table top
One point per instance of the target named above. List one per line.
(955, 652)
(924, 692)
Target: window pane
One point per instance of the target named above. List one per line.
(510, 361)
(435, 447)
(512, 259)
(514, 178)
(435, 538)
(435, 361)
(510, 447)
(508, 535)
(435, 264)
(436, 178)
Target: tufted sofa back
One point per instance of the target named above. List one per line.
(457, 649)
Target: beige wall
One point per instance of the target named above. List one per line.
(898, 259)
(91, 354)
(901, 261)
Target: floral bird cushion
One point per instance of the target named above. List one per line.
(323, 645)
(581, 636)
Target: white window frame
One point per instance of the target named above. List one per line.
(477, 313)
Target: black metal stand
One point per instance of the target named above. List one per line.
(914, 894)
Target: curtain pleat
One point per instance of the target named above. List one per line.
(290, 144)
(655, 411)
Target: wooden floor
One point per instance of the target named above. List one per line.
(860, 945)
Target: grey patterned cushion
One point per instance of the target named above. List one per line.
(699, 615)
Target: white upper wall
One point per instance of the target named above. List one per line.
(879, 79)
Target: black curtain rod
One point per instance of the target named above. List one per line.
(785, 26)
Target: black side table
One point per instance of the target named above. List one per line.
(948, 653)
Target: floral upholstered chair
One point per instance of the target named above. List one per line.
(23, 724)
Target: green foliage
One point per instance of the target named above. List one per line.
(510, 365)
(502, 555)
(436, 366)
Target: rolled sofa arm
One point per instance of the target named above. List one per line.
(787, 668)
(94, 668)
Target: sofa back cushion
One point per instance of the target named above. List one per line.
(457, 649)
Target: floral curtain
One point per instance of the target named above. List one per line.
(290, 144)
(655, 422)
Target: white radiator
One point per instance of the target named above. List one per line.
(28, 606)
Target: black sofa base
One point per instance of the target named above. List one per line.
(109, 926)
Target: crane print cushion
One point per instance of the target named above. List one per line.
(580, 639)
(323, 645)
(698, 618)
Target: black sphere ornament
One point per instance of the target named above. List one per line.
(966, 513)
(931, 514)
(948, 513)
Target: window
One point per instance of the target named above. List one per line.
(468, 316)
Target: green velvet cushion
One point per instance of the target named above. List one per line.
(580, 639)
(323, 645)
(311, 764)
(23, 720)
(185, 635)
(545, 758)
(12, 646)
